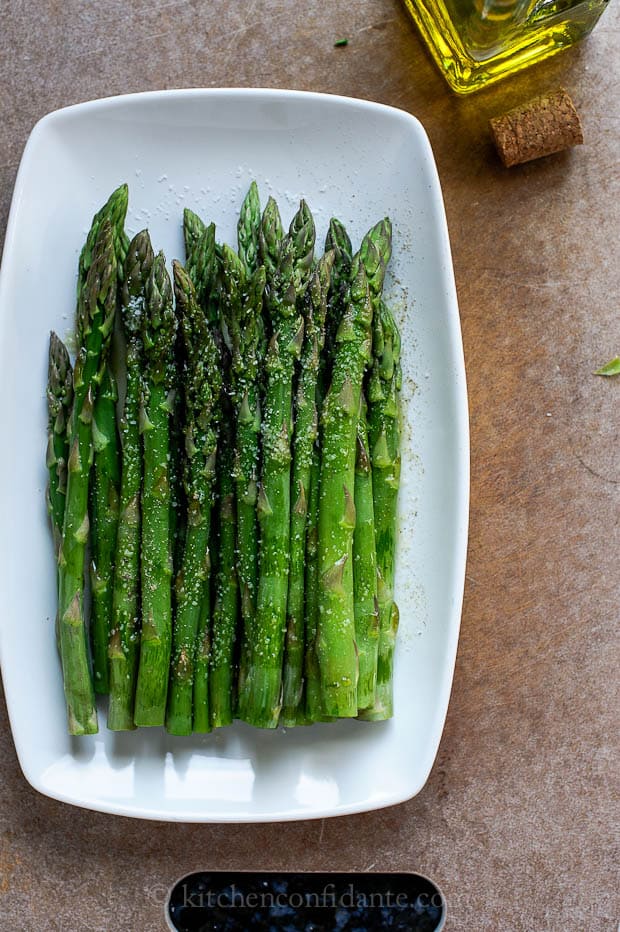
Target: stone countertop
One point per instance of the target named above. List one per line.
(516, 820)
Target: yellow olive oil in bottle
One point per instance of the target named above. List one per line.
(476, 42)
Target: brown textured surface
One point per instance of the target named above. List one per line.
(542, 126)
(517, 821)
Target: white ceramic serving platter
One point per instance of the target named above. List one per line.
(201, 148)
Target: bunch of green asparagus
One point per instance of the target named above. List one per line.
(239, 497)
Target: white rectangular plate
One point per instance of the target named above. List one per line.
(200, 148)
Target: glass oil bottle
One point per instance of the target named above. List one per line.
(477, 42)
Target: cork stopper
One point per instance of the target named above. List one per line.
(539, 127)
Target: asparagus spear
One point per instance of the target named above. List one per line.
(383, 424)
(381, 237)
(242, 303)
(375, 253)
(114, 210)
(159, 327)
(259, 242)
(246, 328)
(306, 431)
(95, 318)
(248, 230)
(288, 262)
(338, 242)
(270, 236)
(104, 509)
(302, 234)
(193, 231)
(261, 697)
(202, 380)
(336, 627)
(106, 472)
(201, 264)
(365, 571)
(125, 634)
(384, 438)
(203, 269)
(59, 401)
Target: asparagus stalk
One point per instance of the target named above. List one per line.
(202, 380)
(225, 610)
(306, 431)
(59, 401)
(203, 269)
(375, 253)
(245, 327)
(242, 303)
(261, 699)
(106, 472)
(313, 702)
(384, 438)
(125, 633)
(365, 571)
(95, 318)
(336, 626)
(268, 232)
(270, 237)
(338, 243)
(159, 326)
(201, 713)
(104, 509)
(223, 532)
(178, 505)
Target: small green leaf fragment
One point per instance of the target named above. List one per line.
(610, 368)
(340, 43)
